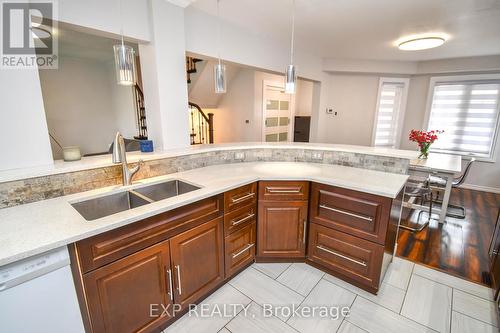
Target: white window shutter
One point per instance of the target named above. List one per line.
(388, 113)
(468, 113)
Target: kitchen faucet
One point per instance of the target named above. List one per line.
(120, 156)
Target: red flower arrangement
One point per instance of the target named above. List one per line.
(424, 140)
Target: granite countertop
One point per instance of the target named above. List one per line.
(37, 227)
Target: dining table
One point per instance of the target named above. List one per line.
(446, 166)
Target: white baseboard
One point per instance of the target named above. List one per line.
(481, 188)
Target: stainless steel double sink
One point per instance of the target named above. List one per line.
(106, 205)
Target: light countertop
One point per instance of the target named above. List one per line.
(37, 227)
(439, 162)
(93, 162)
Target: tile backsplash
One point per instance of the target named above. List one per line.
(23, 191)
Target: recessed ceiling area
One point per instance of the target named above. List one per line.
(368, 29)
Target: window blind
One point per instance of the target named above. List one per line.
(389, 109)
(468, 113)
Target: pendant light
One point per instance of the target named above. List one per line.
(124, 59)
(291, 74)
(219, 68)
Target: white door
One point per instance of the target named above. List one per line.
(277, 114)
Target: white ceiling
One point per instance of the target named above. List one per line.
(367, 29)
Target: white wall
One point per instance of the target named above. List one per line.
(24, 135)
(353, 97)
(163, 65)
(104, 16)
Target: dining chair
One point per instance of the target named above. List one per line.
(419, 191)
(439, 184)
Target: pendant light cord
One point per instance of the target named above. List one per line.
(293, 33)
(218, 32)
(121, 22)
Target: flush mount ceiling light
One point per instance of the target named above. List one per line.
(423, 42)
(291, 73)
(124, 59)
(219, 68)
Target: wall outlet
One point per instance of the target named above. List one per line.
(239, 156)
(317, 156)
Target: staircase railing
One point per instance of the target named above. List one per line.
(140, 110)
(202, 125)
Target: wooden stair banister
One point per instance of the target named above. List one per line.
(140, 110)
(202, 125)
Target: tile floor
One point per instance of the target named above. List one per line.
(412, 298)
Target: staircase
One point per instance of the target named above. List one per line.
(140, 110)
(202, 125)
(191, 67)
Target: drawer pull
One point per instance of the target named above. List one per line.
(242, 198)
(277, 190)
(347, 213)
(249, 246)
(179, 288)
(246, 218)
(170, 289)
(362, 263)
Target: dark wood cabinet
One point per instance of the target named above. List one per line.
(281, 227)
(197, 261)
(180, 256)
(239, 197)
(240, 249)
(119, 295)
(359, 214)
(357, 260)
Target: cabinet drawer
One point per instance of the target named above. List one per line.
(102, 249)
(240, 248)
(239, 218)
(239, 197)
(357, 260)
(360, 214)
(283, 190)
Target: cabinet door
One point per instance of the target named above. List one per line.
(281, 229)
(197, 261)
(240, 249)
(120, 295)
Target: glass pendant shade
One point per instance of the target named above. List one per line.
(125, 64)
(220, 78)
(290, 80)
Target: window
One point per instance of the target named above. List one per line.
(466, 108)
(391, 104)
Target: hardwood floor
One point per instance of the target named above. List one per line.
(460, 246)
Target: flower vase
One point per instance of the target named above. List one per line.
(424, 151)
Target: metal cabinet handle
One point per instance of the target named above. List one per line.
(305, 228)
(246, 218)
(179, 287)
(362, 263)
(249, 195)
(276, 190)
(170, 289)
(243, 251)
(347, 213)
